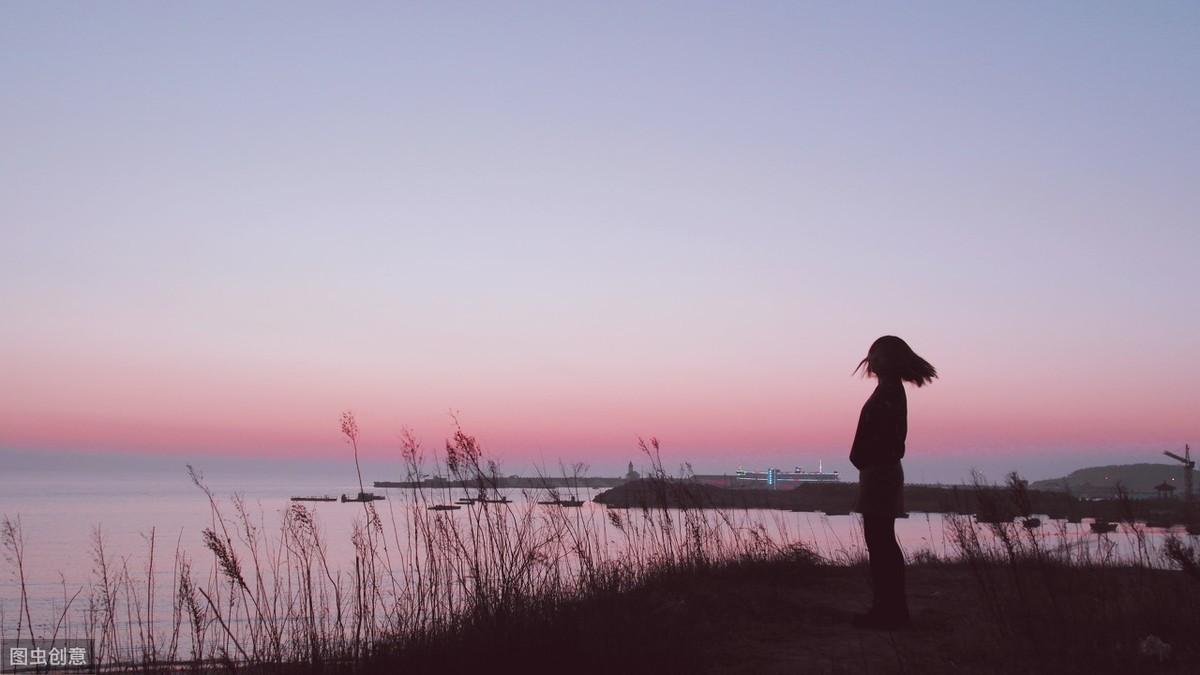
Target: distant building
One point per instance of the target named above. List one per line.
(631, 474)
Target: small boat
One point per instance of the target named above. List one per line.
(550, 502)
(445, 507)
(322, 498)
(994, 519)
(836, 512)
(1103, 527)
(465, 501)
(1074, 519)
(362, 497)
(1031, 523)
(496, 500)
(571, 503)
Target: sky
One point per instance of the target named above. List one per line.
(571, 224)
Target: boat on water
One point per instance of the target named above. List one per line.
(363, 497)
(445, 507)
(465, 501)
(994, 518)
(494, 500)
(321, 498)
(1102, 527)
(569, 503)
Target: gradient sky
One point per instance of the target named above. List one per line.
(222, 224)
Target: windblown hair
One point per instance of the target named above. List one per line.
(894, 358)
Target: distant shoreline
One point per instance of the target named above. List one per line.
(986, 503)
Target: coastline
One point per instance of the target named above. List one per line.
(987, 503)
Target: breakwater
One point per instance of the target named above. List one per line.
(987, 503)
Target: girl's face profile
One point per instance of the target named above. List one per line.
(877, 360)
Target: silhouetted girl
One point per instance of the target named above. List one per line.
(876, 453)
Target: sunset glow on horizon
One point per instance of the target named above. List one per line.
(211, 247)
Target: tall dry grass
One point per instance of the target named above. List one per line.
(1064, 601)
(271, 594)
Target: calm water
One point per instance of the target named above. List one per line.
(61, 510)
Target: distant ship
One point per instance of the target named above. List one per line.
(363, 497)
(772, 476)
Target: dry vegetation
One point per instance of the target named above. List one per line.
(548, 589)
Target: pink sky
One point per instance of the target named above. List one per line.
(668, 223)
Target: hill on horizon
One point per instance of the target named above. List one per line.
(1103, 480)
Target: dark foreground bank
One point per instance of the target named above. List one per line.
(791, 615)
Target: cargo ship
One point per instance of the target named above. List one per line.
(772, 476)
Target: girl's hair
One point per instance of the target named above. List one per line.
(898, 360)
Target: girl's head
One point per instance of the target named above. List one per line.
(891, 357)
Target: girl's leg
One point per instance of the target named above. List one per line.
(887, 567)
(897, 599)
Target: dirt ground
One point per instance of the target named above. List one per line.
(800, 623)
(804, 626)
(782, 617)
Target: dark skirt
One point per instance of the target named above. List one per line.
(881, 490)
